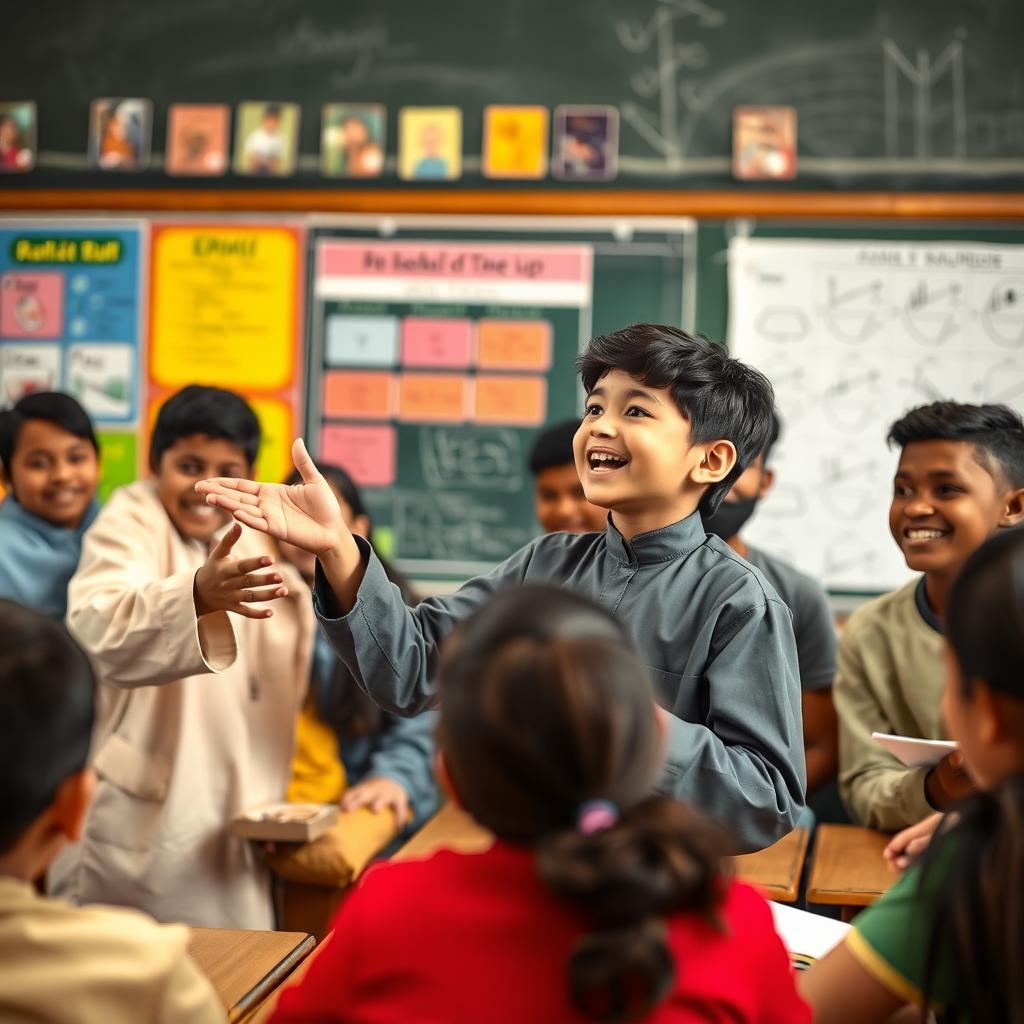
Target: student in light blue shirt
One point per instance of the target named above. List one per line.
(671, 421)
(49, 458)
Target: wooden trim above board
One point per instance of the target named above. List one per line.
(708, 205)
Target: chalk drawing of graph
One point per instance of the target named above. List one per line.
(853, 399)
(852, 304)
(783, 323)
(933, 310)
(789, 378)
(1002, 316)
(1003, 382)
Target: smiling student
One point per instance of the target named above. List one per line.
(671, 422)
(960, 479)
(198, 695)
(558, 497)
(49, 459)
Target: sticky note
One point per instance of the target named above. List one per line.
(432, 398)
(358, 395)
(435, 343)
(514, 345)
(514, 401)
(368, 453)
(362, 340)
(31, 305)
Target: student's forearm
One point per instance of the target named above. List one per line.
(344, 568)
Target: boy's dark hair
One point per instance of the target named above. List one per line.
(996, 432)
(569, 666)
(197, 409)
(47, 693)
(773, 435)
(53, 406)
(553, 446)
(720, 396)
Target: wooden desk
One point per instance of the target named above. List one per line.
(245, 966)
(775, 871)
(849, 870)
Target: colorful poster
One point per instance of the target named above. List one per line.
(71, 297)
(225, 310)
(439, 360)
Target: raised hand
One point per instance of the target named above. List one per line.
(304, 514)
(228, 584)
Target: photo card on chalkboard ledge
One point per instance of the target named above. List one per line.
(352, 140)
(764, 143)
(430, 143)
(267, 139)
(120, 133)
(17, 136)
(586, 143)
(197, 139)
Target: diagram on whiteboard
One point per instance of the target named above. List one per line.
(852, 334)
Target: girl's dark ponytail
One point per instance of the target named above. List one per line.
(659, 858)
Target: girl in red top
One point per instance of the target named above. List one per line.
(597, 902)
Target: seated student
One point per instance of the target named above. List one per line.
(557, 492)
(598, 900)
(63, 964)
(948, 934)
(960, 478)
(347, 749)
(197, 706)
(812, 620)
(671, 422)
(49, 459)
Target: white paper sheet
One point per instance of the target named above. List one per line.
(807, 935)
(914, 753)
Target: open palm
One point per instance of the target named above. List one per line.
(305, 514)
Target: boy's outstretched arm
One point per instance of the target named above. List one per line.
(305, 514)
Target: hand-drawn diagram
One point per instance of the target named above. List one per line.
(783, 324)
(472, 458)
(889, 326)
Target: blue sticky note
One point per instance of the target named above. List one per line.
(362, 340)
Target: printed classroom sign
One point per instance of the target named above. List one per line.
(225, 310)
(852, 334)
(70, 321)
(440, 360)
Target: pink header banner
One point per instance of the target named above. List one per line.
(488, 262)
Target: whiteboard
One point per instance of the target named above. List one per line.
(852, 334)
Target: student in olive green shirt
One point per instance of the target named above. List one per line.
(959, 480)
(949, 934)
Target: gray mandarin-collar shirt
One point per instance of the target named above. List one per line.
(715, 635)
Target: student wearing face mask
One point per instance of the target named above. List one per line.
(812, 618)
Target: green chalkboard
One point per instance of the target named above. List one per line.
(409, 375)
(889, 94)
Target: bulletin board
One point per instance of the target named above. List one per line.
(72, 295)
(438, 349)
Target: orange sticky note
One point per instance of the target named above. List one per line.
(516, 401)
(356, 395)
(432, 398)
(514, 345)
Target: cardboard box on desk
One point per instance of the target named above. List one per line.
(285, 823)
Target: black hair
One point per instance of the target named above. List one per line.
(979, 919)
(47, 694)
(553, 446)
(996, 431)
(337, 697)
(53, 406)
(564, 664)
(773, 435)
(197, 409)
(272, 110)
(721, 397)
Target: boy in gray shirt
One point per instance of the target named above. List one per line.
(812, 619)
(671, 423)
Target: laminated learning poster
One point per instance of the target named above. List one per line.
(225, 310)
(434, 364)
(70, 320)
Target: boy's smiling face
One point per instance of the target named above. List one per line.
(634, 454)
(945, 504)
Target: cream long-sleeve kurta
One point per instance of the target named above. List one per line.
(195, 722)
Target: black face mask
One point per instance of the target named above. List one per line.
(730, 518)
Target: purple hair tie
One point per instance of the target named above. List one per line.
(596, 816)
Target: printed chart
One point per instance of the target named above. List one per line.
(70, 312)
(439, 361)
(852, 335)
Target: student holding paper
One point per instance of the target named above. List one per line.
(960, 479)
(948, 935)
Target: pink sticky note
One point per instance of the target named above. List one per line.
(370, 454)
(427, 342)
(31, 305)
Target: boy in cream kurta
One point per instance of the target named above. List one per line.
(197, 706)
